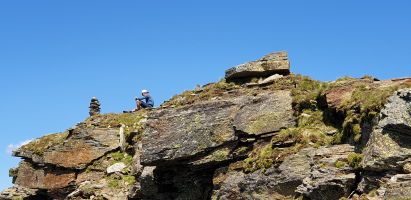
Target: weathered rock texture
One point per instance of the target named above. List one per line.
(275, 63)
(52, 163)
(296, 172)
(206, 135)
(208, 132)
(389, 147)
(283, 137)
(344, 91)
(77, 150)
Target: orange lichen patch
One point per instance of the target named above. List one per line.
(339, 94)
(58, 179)
(31, 177)
(79, 156)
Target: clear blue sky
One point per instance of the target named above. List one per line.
(56, 55)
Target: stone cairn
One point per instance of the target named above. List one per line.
(94, 107)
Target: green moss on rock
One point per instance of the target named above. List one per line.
(38, 146)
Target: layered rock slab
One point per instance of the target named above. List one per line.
(77, 150)
(173, 135)
(274, 63)
(210, 130)
(53, 161)
(30, 176)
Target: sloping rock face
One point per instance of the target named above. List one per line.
(211, 130)
(187, 144)
(275, 63)
(389, 147)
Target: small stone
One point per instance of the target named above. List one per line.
(333, 132)
(116, 168)
(96, 123)
(407, 168)
(305, 115)
(270, 79)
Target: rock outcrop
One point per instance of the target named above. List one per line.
(274, 63)
(262, 133)
(209, 131)
(389, 147)
(74, 150)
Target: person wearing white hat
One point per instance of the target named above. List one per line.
(141, 104)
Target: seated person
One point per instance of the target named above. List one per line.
(141, 104)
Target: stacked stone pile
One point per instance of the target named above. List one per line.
(94, 107)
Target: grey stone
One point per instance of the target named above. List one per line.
(117, 167)
(275, 63)
(389, 146)
(397, 112)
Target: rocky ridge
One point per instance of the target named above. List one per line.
(261, 133)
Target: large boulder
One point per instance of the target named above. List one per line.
(389, 147)
(207, 132)
(397, 112)
(274, 63)
(172, 136)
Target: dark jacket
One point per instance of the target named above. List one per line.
(149, 99)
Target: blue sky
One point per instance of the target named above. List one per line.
(56, 55)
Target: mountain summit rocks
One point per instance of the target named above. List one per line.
(261, 133)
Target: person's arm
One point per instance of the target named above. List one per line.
(144, 97)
